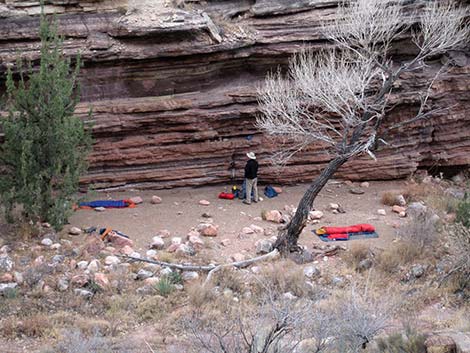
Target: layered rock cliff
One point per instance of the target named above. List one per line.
(172, 86)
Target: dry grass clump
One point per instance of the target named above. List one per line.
(418, 191)
(200, 295)
(229, 277)
(389, 198)
(356, 254)
(411, 341)
(399, 254)
(37, 325)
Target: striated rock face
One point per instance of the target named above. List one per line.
(173, 86)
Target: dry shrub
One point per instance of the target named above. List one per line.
(397, 255)
(36, 325)
(418, 191)
(166, 257)
(75, 341)
(229, 277)
(153, 308)
(283, 277)
(356, 254)
(443, 202)
(410, 342)
(389, 198)
(200, 295)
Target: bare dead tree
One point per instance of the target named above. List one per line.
(340, 97)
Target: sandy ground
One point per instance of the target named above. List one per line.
(180, 212)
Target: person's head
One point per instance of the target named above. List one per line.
(251, 155)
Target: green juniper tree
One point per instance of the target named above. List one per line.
(45, 145)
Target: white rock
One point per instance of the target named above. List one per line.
(46, 242)
(157, 243)
(289, 296)
(135, 254)
(176, 240)
(257, 229)
(83, 293)
(365, 184)
(151, 253)
(144, 274)
(136, 199)
(190, 276)
(204, 203)
(111, 260)
(334, 206)
(165, 271)
(6, 263)
(311, 271)
(156, 200)
(82, 265)
(75, 231)
(263, 246)
(247, 230)
(4, 287)
(93, 266)
(100, 209)
(56, 246)
(381, 212)
(315, 215)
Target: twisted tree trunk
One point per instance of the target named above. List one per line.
(287, 239)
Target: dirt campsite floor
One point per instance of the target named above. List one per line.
(180, 211)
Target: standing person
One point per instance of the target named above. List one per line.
(251, 178)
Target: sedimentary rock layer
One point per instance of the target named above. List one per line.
(172, 89)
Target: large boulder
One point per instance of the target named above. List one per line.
(207, 229)
(272, 216)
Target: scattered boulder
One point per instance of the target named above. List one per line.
(190, 276)
(264, 246)
(111, 260)
(314, 215)
(156, 200)
(400, 200)
(6, 263)
(18, 277)
(334, 206)
(83, 293)
(164, 233)
(79, 280)
(136, 199)
(165, 271)
(207, 229)
(135, 254)
(204, 203)
(272, 216)
(75, 231)
(82, 264)
(311, 271)
(176, 240)
(381, 212)
(237, 257)
(151, 281)
(365, 184)
(46, 242)
(257, 229)
(417, 270)
(55, 246)
(398, 209)
(157, 243)
(57, 259)
(151, 253)
(185, 249)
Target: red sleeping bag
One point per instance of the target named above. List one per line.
(357, 228)
(226, 195)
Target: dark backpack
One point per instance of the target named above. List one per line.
(270, 192)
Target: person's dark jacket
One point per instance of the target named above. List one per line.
(251, 169)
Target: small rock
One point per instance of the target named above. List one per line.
(119, 241)
(289, 296)
(83, 293)
(46, 242)
(156, 200)
(416, 209)
(93, 266)
(196, 242)
(136, 199)
(206, 215)
(151, 253)
(55, 246)
(82, 265)
(417, 271)
(190, 276)
(263, 246)
(6, 287)
(185, 249)
(176, 240)
(225, 242)
(381, 212)
(126, 250)
(273, 216)
(57, 259)
(101, 280)
(398, 209)
(228, 293)
(207, 230)
(135, 254)
(6, 263)
(337, 281)
(5, 249)
(146, 290)
(157, 243)
(257, 229)
(364, 265)
(18, 277)
(111, 260)
(315, 215)
(151, 281)
(144, 274)
(204, 203)
(247, 230)
(334, 206)
(402, 214)
(365, 184)
(6, 278)
(63, 284)
(400, 200)
(356, 191)
(100, 209)
(164, 233)
(165, 271)
(311, 271)
(79, 280)
(172, 248)
(75, 231)
(256, 269)
(237, 257)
